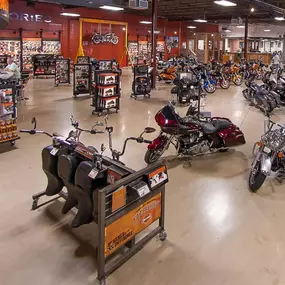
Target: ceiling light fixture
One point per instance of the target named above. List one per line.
(212, 35)
(279, 18)
(69, 14)
(267, 30)
(175, 33)
(111, 8)
(228, 31)
(240, 27)
(146, 22)
(201, 21)
(156, 32)
(191, 27)
(252, 10)
(225, 3)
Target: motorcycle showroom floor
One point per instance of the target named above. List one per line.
(218, 232)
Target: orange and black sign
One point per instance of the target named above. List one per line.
(4, 13)
(125, 228)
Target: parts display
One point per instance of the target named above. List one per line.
(3, 61)
(83, 59)
(62, 71)
(30, 48)
(141, 82)
(106, 91)
(8, 112)
(51, 47)
(11, 47)
(82, 79)
(44, 64)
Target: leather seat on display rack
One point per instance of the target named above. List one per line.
(67, 165)
(49, 166)
(83, 191)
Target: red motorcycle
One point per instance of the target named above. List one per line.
(193, 134)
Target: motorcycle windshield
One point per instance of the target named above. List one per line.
(169, 114)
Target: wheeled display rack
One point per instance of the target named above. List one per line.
(141, 81)
(106, 91)
(81, 79)
(44, 64)
(8, 112)
(62, 71)
(125, 212)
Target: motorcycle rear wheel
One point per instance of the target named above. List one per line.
(211, 88)
(225, 84)
(152, 155)
(256, 179)
(238, 81)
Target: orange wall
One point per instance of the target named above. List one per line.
(70, 28)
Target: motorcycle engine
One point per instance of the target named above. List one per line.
(193, 144)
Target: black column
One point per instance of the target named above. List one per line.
(42, 40)
(154, 40)
(246, 37)
(21, 49)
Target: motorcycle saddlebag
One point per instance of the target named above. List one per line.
(232, 136)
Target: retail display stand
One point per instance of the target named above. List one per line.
(44, 64)
(106, 90)
(8, 112)
(141, 82)
(81, 79)
(62, 71)
(3, 61)
(83, 59)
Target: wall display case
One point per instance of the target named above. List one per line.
(62, 71)
(81, 79)
(31, 47)
(51, 47)
(3, 61)
(11, 47)
(132, 52)
(106, 91)
(44, 64)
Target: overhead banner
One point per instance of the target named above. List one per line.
(4, 13)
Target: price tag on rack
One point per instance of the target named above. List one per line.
(93, 173)
(54, 151)
(142, 191)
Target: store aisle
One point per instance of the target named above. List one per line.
(218, 232)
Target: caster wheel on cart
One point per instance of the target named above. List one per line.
(117, 111)
(99, 114)
(12, 143)
(163, 235)
(93, 112)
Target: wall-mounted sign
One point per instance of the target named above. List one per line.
(4, 13)
(29, 17)
(105, 38)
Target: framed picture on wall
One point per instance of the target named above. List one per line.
(201, 44)
(184, 45)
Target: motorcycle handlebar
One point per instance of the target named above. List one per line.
(33, 132)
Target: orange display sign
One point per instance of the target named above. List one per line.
(119, 198)
(4, 5)
(125, 228)
(4, 13)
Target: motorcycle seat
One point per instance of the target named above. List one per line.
(215, 126)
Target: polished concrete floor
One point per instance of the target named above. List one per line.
(218, 232)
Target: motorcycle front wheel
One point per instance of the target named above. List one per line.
(238, 81)
(256, 178)
(152, 155)
(211, 88)
(225, 84)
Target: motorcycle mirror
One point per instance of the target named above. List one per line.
(34, 121)
(103, 148)
(149, 130)
(98, 124)
(106, 119)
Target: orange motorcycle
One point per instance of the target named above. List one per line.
(168, 75)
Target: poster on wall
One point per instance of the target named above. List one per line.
(183, 45)
(201, 44)
(98, 38)
(171, 42)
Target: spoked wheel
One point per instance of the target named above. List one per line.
(225, 84)
(238, 81)
(256, 178)
(211, 88)
(152, 155)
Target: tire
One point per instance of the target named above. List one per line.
(255, 181)
(238, 81)
(225, 84)
(152, 156)
(211, 88)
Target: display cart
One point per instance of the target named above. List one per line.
(83, 59)
(44, 64)
(81, 79)
(8, 112)
(141, 81)
(62, 71)
(129, 212)
(106, 91)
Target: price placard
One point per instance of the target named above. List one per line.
(93, 173)
(54, 151)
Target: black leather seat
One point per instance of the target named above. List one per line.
(67, 165)
(215, 126)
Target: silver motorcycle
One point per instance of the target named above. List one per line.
(269, 156)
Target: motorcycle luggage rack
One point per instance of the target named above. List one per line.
(132, 206)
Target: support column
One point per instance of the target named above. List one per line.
(154, 40)
(179, 38)
(42, 41)
(246, 37)
(283, 49)
(206, 51)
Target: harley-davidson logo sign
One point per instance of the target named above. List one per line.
(105, 38)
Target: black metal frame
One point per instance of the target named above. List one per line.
(104, 218)
(56, 78)
(134, 94)
(75, 93)
(4, 58)
(98, 100)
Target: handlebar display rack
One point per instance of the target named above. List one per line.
(8, 126)
(81, 79)
(141, 82)
(123, 210)
(106, 91)
(62, 71)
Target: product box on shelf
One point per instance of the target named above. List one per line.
(108, 78)
(8, 130)
(106, 90)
